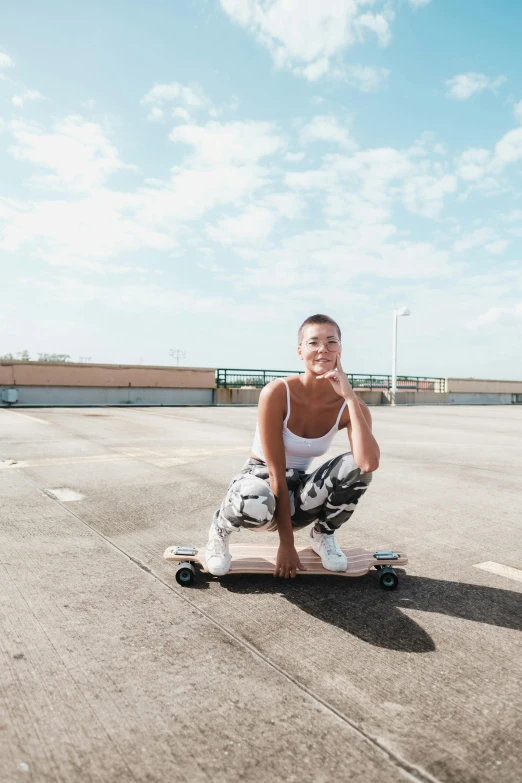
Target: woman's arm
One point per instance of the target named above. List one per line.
(365, 448)
(271, 414)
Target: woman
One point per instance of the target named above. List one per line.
(273, 490)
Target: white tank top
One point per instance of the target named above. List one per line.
(299, 451)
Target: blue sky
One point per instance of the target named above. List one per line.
(206, 174)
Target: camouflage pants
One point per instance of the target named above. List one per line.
(326, 497)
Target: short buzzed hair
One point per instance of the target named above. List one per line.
(317, 319)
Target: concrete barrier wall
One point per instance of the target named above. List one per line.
(482, 386)
(251, 397)
(483, 399)
(237, 396)
(117, 384)
(415, 398)
(70, 396)
(104, 375)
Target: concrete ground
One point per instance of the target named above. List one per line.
(112, 672)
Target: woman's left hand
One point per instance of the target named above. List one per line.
(339, 380)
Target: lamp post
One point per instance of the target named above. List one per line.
(396, 314)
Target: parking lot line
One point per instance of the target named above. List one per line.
(500, 570)
(24, 415)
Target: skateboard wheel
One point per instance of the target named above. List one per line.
(185, 574)
(388, 579)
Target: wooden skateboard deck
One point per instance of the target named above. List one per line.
(252, 559)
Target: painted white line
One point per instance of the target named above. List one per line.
(64, 494)
(49, 462)
(25, 416)
(170, 416)
(500, 570)
(166, 458)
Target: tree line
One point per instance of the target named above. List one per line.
(24, 356)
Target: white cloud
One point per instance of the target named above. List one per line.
(156, 114)
(233, 177)
(367, 78)
(191, 96)
(343, 252)
(483, 237)
(181, 114)
(26, 96)
(378, 24)
(223, 168)
(498, 247)
(97, 227)
(484, 168)
(316, 179)
(326, 128)
(5, 61)
(426, 145)
(473, 164)
(502, 316)
(419, 3)
(147, 297)
(82, 264)
(464, 85)
(380, 177)
(286, 204)
(514, 216)
(517, 111)
(315, 70)
(256, 223)
(293, 34)
(250, 227)
(424, 195)
(187, 99)
(78, 152)
(307, 37)
(508, 149)
(237, 142)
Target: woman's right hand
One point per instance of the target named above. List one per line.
(287, 561)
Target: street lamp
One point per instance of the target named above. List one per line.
(396, 314)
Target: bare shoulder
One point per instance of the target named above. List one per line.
(273, 390)
(273, 397)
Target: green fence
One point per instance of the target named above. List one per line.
(235, 379)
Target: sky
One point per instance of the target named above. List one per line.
(203, 175)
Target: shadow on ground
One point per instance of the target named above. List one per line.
(361, 608)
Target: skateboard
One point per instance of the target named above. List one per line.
(248, 559)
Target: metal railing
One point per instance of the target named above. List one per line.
(234, 379)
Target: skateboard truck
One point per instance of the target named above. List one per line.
(187, 551)
(385, 555)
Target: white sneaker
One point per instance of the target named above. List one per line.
(217, 553)
(328, 549)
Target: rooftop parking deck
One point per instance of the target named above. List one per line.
(113, 672)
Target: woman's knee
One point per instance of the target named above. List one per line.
(346, 471)
(250, 503)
